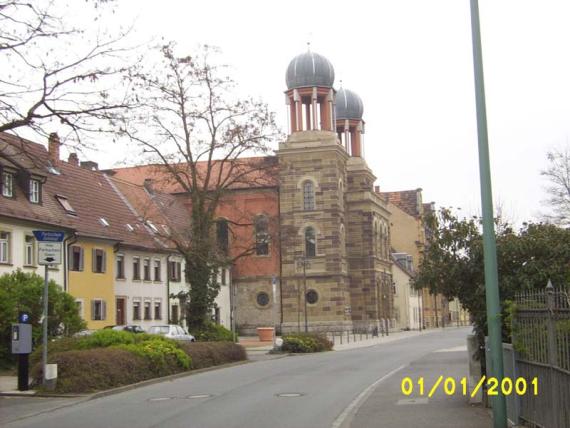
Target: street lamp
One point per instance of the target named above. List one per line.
(304, 262)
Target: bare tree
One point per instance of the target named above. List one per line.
(558, 175)
(55, 74)
(202, 138)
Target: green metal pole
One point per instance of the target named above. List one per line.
(489, 243)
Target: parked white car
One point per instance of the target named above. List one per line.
(172, 331)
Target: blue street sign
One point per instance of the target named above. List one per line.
(49, 236)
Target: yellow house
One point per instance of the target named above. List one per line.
(91, 280)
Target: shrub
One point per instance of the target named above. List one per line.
(207, 354)
(96, 369)
(306, 342)
(23, 292)
(212, 332)
(165, 356)
(105, 338)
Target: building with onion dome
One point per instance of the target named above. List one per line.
(335, 247)
(320, 230)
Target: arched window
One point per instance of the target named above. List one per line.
(308, 195)
(261, 235)
(310, 242)
(222, 235)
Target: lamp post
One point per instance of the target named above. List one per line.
(489, 242)
(303, 262)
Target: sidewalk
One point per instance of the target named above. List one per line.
(388, 406)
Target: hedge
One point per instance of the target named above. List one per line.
(306, 342)
(211, 332)
(127, 358)
(207, 354)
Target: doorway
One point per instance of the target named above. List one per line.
(121, 316)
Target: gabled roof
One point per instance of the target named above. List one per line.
(242, 173)
(98, 210)
(408, 201)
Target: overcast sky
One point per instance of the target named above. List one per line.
(411, 63)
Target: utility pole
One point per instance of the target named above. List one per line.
(489, 243)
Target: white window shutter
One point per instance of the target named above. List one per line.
(103, 310)
(93, 310)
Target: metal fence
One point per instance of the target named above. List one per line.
(541, 339)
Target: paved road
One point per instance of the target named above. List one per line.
(248, 395)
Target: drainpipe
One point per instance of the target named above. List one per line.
(168, 288)
(67, 243)
(280, 259)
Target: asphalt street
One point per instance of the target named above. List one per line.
(312, 391)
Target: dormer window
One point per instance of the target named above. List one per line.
(35, 191)
(7, 185)
(65, 204)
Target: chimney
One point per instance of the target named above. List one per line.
(53, 147)
(148, 185)
(377, 189)
(73, 159)
(93, 166)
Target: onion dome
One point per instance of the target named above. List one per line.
(309, 69)
(348, 105)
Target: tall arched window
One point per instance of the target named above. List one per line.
(261, 235)
(308, 195)
(222, 235)
(310, 242)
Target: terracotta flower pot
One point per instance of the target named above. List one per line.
(265, 334)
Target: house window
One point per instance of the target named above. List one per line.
(65, 204)
(136, 311)
(146, 269)
(312, 297)
(4, 247)
(157, 270)
(147, 314)
(262, 299)
(120, 266)
(136, 268)
(222, 235)
(98, 310)
(310, 242)
(157, 310)
(99, 265)
(7, 185)
(261, 236)
(76, 258)
(308, 195)
(35, 187)
(175, 271)
(29, 251)
(174, 314)
(79, 306)
(223, 277)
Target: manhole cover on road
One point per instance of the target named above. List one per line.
(199, 396)
(412, 401)
(289, 394)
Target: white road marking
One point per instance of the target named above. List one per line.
(456, 349)
(339, 421)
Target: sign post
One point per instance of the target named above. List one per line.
(49, 254)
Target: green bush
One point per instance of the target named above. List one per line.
(165, 356)
(306, 342)
(212, 332)
(208, 354)
(23, 292)
(96, 369)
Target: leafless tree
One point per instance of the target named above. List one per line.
(56, 76)
(202, 139)
(558, 175)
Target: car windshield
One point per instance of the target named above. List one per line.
(162, 329)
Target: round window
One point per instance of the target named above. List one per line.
(262, 299)
(312, 297)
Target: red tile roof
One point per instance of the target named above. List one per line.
(90, 194)
(408, 201)
(243, 173)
